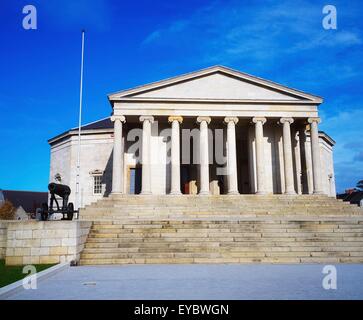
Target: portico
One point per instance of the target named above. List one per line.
(206, 162)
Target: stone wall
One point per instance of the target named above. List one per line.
(3, 226)
(34, 242)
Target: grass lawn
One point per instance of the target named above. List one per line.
(10, 274)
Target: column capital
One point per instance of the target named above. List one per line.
(259, 119)
(146, 118)
(121, 118)
(286, 120)
(175, 118)
(231, 119)
(201, 119)
(314, 119)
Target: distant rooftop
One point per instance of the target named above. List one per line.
(28, 200)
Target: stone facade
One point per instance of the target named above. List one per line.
(96, 158)
(34, 242)
(3, 227)
(271, 148)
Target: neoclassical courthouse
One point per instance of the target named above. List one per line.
(232, 169)
(270, 140)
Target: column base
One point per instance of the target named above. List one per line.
(290, 193)
(318, 192)
(204, 193)
(145, 193)
(175, 193)
(261, 192)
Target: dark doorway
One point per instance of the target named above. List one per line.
(135, 180)
(244, 183)
(184, 178)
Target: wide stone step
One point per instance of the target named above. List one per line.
(209, 233)
(282, 219)
(217, 248)
(230, 211)
(213, 207)
(291, 228)
(220, 254)
(215, 198)
(268, 260)
(226, 206)
(245, 243)
(200, 217)
(218, 206)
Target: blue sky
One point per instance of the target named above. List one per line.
(129, 43)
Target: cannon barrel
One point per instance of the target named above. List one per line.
(59, 189)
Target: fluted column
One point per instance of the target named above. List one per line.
(146, 157)
(232, 179)
(204, 155)
(175, 154)
(260, 165)
(297, 154)
(288, 164)
(315, 154)
(117, 164)
(305, 169)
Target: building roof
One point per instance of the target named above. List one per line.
(102, 124)
(105, 123)
(28, 200)
(328, 138)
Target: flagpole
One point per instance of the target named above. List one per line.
(78, 174)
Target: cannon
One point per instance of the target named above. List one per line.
(67, 209)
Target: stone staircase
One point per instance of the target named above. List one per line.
(223, 229)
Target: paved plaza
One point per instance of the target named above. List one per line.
(198, 282)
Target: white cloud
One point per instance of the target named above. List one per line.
(152, 37)
(328, 39)
(174, 27)
(229, 31)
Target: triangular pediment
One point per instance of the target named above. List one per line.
(216, 86)
(215, 83)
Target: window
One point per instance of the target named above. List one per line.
(97, 184)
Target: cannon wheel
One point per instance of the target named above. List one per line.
(44, 212)
(70, 211)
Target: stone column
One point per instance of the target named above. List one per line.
(315, 154)
(146, 157)
(305, 169)
(117, 163)
(297, 154)
(175, 154)
(288, 165)
(204, 155)
(232, 178)
(260, 165)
